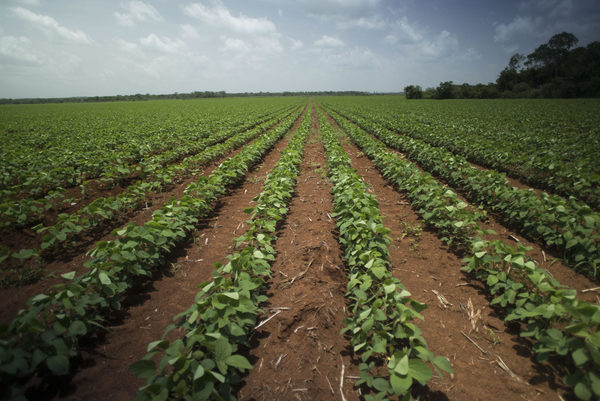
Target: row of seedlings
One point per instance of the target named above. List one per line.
(46, 335)
(562, 326)
(206, 361)
(382, 313)
(534, 161)
(69, 228)
(29, 210)
(43, 187)
(568, 226)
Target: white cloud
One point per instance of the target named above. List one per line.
(15, 50)
(339, 7)
(269, 45)
(346, 14)
(517, 27)
(442, 45)
(404, 32)
(237, 46)
(136, 11)
(126, 46)
(356, 57)
(189, 32)
(555, 8)
(218, 15)
(163, 44)
(50, 26)
(329, 41)
(258, 48)
(373, 22)
(421, 45)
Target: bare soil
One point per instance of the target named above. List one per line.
(299, 353)
(458, 306)
(72, 259)
(104, 369)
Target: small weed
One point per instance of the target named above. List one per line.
(414, 232)
(494, 339)
(257, 179)
(323, 172)
(175, 267)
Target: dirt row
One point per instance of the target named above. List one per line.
(541, 254)
(424, 265)
(14, 297)
(24, 237)
(490, 360)
(548, 259)
(298, 354)
(104, 369)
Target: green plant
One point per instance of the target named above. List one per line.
(206, 362)
(380, 323)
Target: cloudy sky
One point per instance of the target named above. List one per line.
(57, 48)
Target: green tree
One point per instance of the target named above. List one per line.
(413, 92)
(445, 90)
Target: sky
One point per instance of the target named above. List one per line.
(62, 48)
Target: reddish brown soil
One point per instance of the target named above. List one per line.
(25, 238)
(424, 264)
(299, 352)
(543, 257)
(541, 254)
(14, 298)
(511, 176)
(74, 258)
(105, 368)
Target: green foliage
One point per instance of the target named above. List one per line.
(205, 362)
(50, 329)
(380, 325)
(51, 147)
(413, 92)
(570, 227)
(561, 325)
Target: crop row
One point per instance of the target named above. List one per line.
(561, 325)
(65, 145)
(69, 228)
(569, 227)
(44, 337)
(382, 313)
(153, 171)
(552, 145)
(207, 361)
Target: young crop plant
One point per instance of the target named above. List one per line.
(382, 313)
(569, 227)
(151, 165)
(102, 210)
(44, 337)
(550, 145)
(562, 326)
(207, 362)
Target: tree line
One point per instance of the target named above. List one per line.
(555, 69)
(191, 95)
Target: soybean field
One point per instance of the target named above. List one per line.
(288, 248)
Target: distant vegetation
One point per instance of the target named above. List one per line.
(553, 70)
(191, 95)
